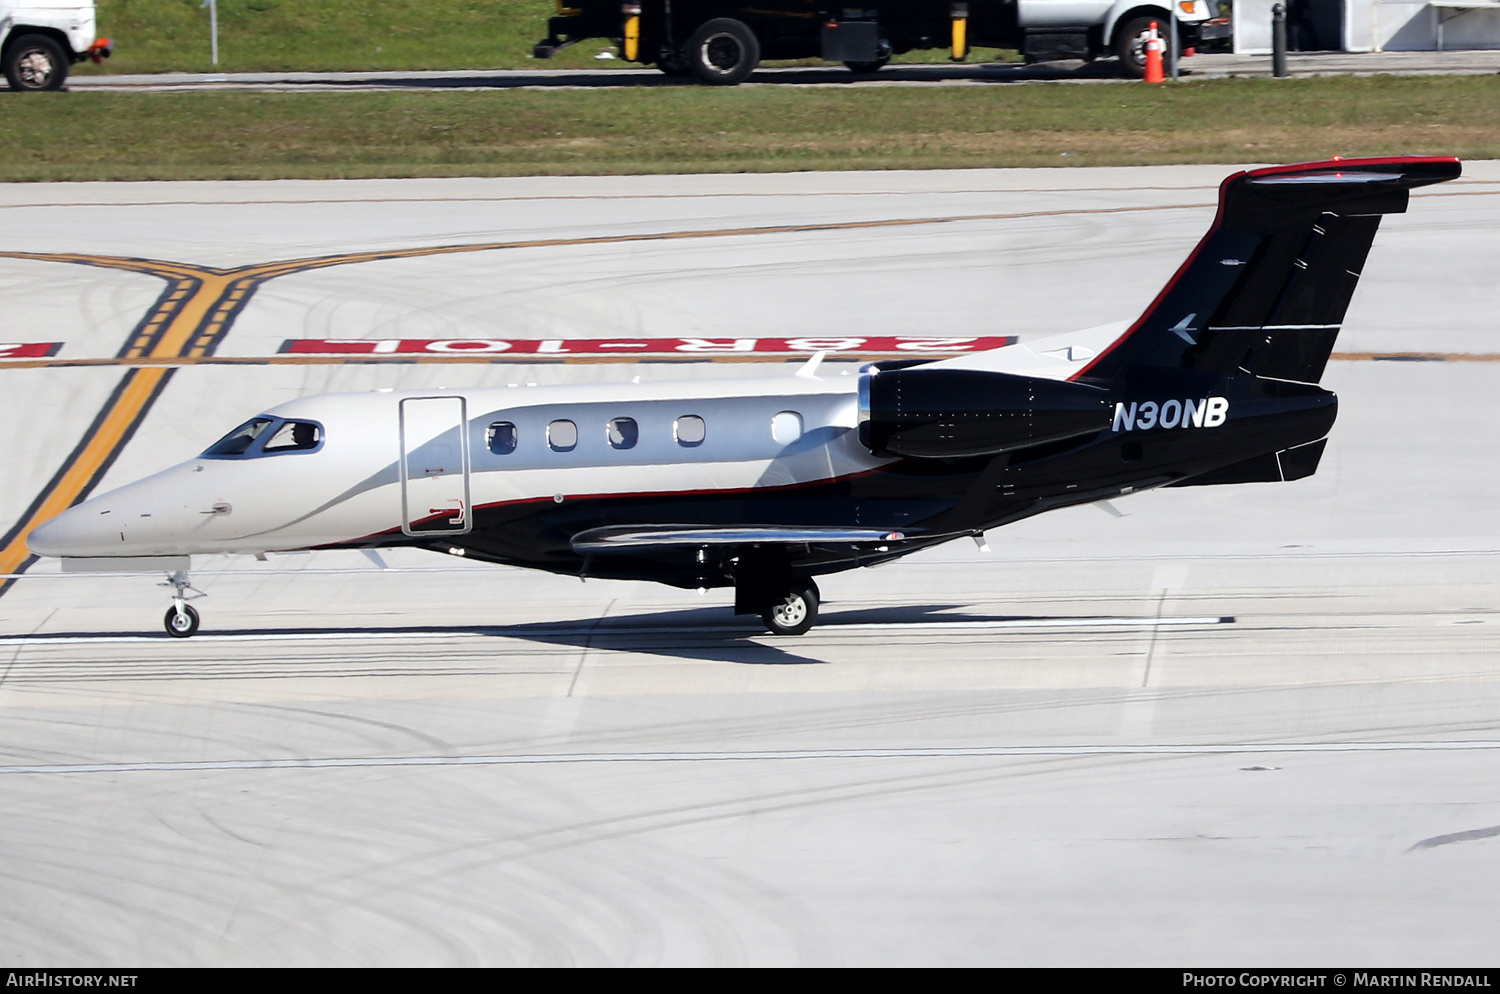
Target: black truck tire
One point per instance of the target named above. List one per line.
(35, 62)
(1130, 45)
(723, 52)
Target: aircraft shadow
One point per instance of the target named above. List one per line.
(710, 634)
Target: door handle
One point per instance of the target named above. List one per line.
(443, 510)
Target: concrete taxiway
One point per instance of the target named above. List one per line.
(1254, 725)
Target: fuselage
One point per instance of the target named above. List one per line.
(517, 474)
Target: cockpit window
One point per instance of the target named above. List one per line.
(293, 435)
(267, 437)
(237, 442)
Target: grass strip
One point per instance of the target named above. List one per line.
(218, 135)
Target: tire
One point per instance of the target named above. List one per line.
(723, 52)
(34, 63)
(181, 627)
(1130, 46)
(794, 612)
(875, 66)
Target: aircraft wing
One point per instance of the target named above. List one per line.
(625, 539)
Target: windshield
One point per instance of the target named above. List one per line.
(267, 436)
(238, 441)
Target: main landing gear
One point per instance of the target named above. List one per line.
(181, 619)
(794, 611)
(789, 607)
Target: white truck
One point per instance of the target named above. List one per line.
(41, 39)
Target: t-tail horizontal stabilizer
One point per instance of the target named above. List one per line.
(1266, 289)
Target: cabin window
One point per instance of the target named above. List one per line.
(238, 442)
(294, 436)
(786, 427)
(562, 436)
(622, 433)
(689, 430)
(500, 438)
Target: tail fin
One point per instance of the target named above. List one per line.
(1266, 289)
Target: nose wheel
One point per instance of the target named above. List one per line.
(181, 619)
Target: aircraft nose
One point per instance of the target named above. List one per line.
(57, 536)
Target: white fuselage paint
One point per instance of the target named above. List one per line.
(350, 487)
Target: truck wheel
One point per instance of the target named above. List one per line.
(1130, 45)
(35, 62)
(723, 52)
(867, 66)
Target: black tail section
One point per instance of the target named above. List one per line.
(1266, 289)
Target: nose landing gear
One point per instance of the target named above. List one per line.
(181, 619)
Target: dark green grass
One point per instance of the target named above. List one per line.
(203, 135)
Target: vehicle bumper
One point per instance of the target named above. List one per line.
(1212, 30)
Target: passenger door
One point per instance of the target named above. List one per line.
(434, 466)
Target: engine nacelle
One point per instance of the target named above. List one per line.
(934, 413)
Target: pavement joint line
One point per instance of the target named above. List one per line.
(932, 752)
(591, 628)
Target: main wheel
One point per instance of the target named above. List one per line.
(793, 612)
(1130, 45)
(35, 62)
(180, 626)
(723, 52)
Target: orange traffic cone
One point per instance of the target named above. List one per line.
(1153, 57)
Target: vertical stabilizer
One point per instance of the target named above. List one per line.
(1266, 289)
